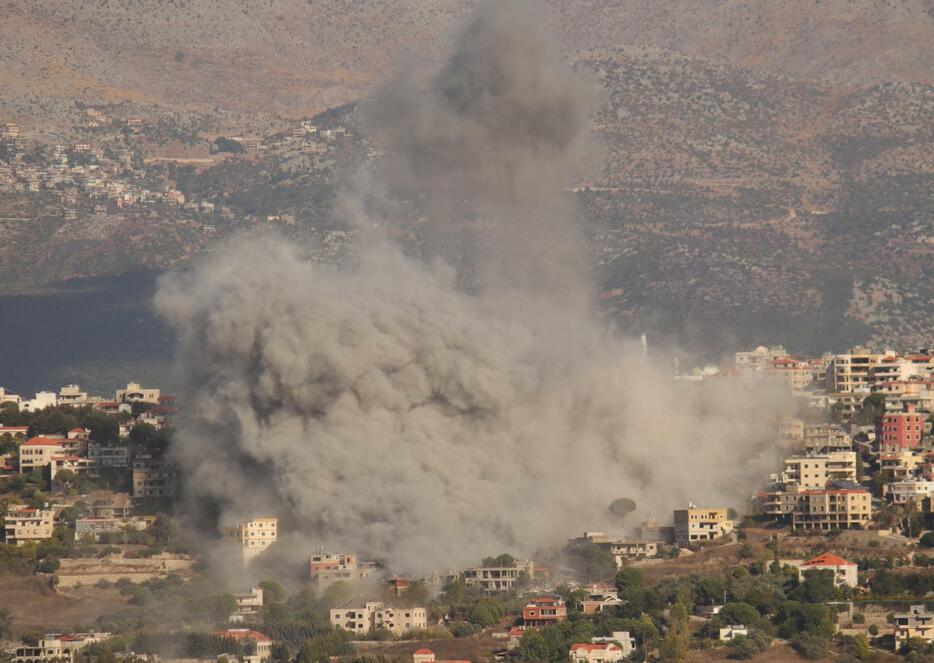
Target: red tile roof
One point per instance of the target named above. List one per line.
(41, 442)
(595, 647)
(828, 559)
(424, 651)
(242, 634)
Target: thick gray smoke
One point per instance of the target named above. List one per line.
(384, 409)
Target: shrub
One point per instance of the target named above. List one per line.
(811, 646)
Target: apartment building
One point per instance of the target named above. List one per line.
(153, 478)
(910, 491)
(814, 471)
(904, 464)
(758, 360)
(696, 524)
(254, 536)
(832, 508)
(850, 372)
(916, 623)
(900, 430)
(374, 615)
(544, 611)
(790, 429)
(795, 374)
(107, 456)
(57, 647)
(37, 452)
(134, 393)
(498, 578)
(24, 525)
(328, 568)
(824, 438)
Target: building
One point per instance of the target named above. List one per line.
(328, 568)
(695, 524)
(844, 573)
(92, 528)
(134, 393)
(600, 599)
(375, 615)
(790, 429)
(900, 430)
(733, 631)
(543, 611)
(910, 491)
(650, 530)
(262, 643)
(107, 456)
(498, 578)
(621, 638)
(24, 524)
(902, 465)
(37, 452)
(57, 647)
(832, 508)
(621, 549)
(756, 361)
(42, 400)
(16, 432)
(824, 438)
(814, 471)
(254, 536)
(249, 604)
(153, 478)
(916, 623)
(427, 656)
(72, 395)
(602, 652)
(850, 372)
(795, 374)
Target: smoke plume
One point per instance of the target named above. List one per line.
(429, 411)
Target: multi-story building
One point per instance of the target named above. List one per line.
(900, 430)
(153, 478)
(814, 471)
(696, 524)
(790, 428)
(758, 360)
(850, 372)
(249, 604)
(57, 647)
(916, 623)
(37, 452)
(911, 491)
(498, 578)
(23, 525)
(107, 456)
(824, 438)
(795, 374)
(903, 464)
(544, 611)
(72, 395)
(328, 568)
(134, 393)
(621, 549)
(92, 528)
(254, 536)
(832, 508)
(600, 599)
(375, 615)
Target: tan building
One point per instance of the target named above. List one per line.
(603, 652)
(815, 471)
(57, 647)
(621, 549)
(254, 535)
(909, 492)
(498, 578)
(37, 452)
(23, 525)
(758, 360)
(796, 375)
(835, 508)
(328, 568)
(134, 393)
(823, 438)
(850, 372)
(696, 524)
(153, 478)
(375, 615)
(790, 429)
(916, 623)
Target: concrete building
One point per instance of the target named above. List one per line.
(425, 655)
(600, 600)
(374, 615)
(71, 394)
(42, 400)
(622, 639)
(36, 453)
(262, 643)
(795, 374)
(790, 429)
(107, 456)
(916, 623)
(328, 568)
(814, 471)
(910, 491)
(621, 549)
(249, 604)
(153, 478)
(824, 438)
(696, 524)
(134, 393)
(845, 574)
(254, 536)
(544, 611)
(850, 372)
(92, 528)
(832, 508)
(498, 578)
(900, 430)
(733, 631)
(758, 360)
(23, 525)
(603, 652)
(57, 647)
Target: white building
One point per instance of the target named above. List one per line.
(42, 400)
(758, 360)
(254, 536)
(844, 573)
(375, 615)
(23, 525)
(733, 631)
(604, 652)
(911, 491)
(626, 642)
(57, 647)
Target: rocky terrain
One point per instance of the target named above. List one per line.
(769, 166)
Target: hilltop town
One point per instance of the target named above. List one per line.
(831, 556)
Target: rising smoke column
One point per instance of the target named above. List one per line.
(383, 408)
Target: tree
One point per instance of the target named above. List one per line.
(622, 507)
(818, 587)
(592, 562)
(811, 646)
(794, 617)
(739, 613)
(871, 409)
(504, 560)
(272, 591)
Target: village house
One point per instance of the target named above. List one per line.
(498, 578)
(696, 524)
(916, 623)
(733, 631)
(427, 656)
(37, 452)
(621, 549)
(758, 360)
(16, 432)
(621, 639)
(57, 647)
(543, 611)
(374, 615)
(262, 644)
(328, 568)
(845, 573)
(603, 652)
(599, 598)
(109, 456)
(793, 373)
(24, 524)
(254, 536)
(91, 528)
